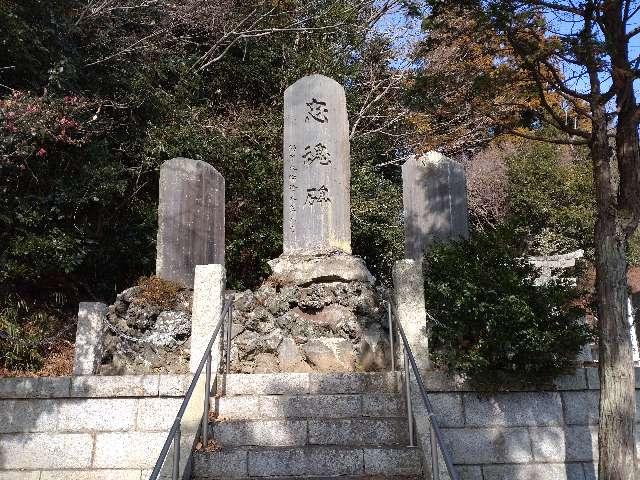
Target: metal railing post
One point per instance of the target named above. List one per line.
(207, 393)
(393, 353)
(407, 383)
(435, 466)
(228, 342)
(176, 454)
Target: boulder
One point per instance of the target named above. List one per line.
(330, 354)
(290, 358)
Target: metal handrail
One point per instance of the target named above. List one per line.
(435, 433)
(174, 434)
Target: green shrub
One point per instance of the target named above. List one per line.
(490, 322)
(21, 332)
(551, 198)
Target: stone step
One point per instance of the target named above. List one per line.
(312, 431)
(308, 383)
(340, 477)
(307, 406)
(306, 462)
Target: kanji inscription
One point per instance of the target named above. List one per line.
(317, 153)
(317, 195)
(317, 111)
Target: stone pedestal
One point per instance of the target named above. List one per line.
(308, 269)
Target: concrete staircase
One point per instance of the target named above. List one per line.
(309, 426)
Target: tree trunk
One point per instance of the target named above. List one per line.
(617, 380)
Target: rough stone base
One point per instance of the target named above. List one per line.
(304, 270)
(141, 337)
(330, 326)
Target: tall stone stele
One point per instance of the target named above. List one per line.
(190, 219)
(317, 176)
(435, 202)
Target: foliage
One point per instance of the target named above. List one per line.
(551, 197)
(94, 97)
(467, 90)
(157, 292)
(30, 331)
(491, 323)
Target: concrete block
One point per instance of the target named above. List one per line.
(55, 450)
(513, 409)
(91, 475)
(100, 386)
(590, 471)
(266, 433)
(208, 300)
(128, 450)
(577, 381)
(288, 406)
(442, 381)
(22, 416)
(571, 444)
(446, 406)
(222, 464)
(318, 461)
(581, 408)
(266, 384)
(383, 405)
(473, 472)
(539, 471)
(88, 346)
(40, 387)
(157, 414)
(358, 431)
(174, 385)
(593, 378)
(97, 415)
(190, 219)
(488, 445)
(392, 461)
(341, 383)
(409, 307)
(18, 475)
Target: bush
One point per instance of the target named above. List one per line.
(490, 322)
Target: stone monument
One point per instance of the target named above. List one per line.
(435, 202)
(316, 190)
(319, 310)
(190, 219)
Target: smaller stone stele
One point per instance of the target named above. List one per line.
(307, 269)
(190, 219)
(435, 202)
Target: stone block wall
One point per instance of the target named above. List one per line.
(549, 434)
(89, 428)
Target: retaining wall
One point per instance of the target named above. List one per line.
(89, 427)
(107, 428)
(546, 434)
